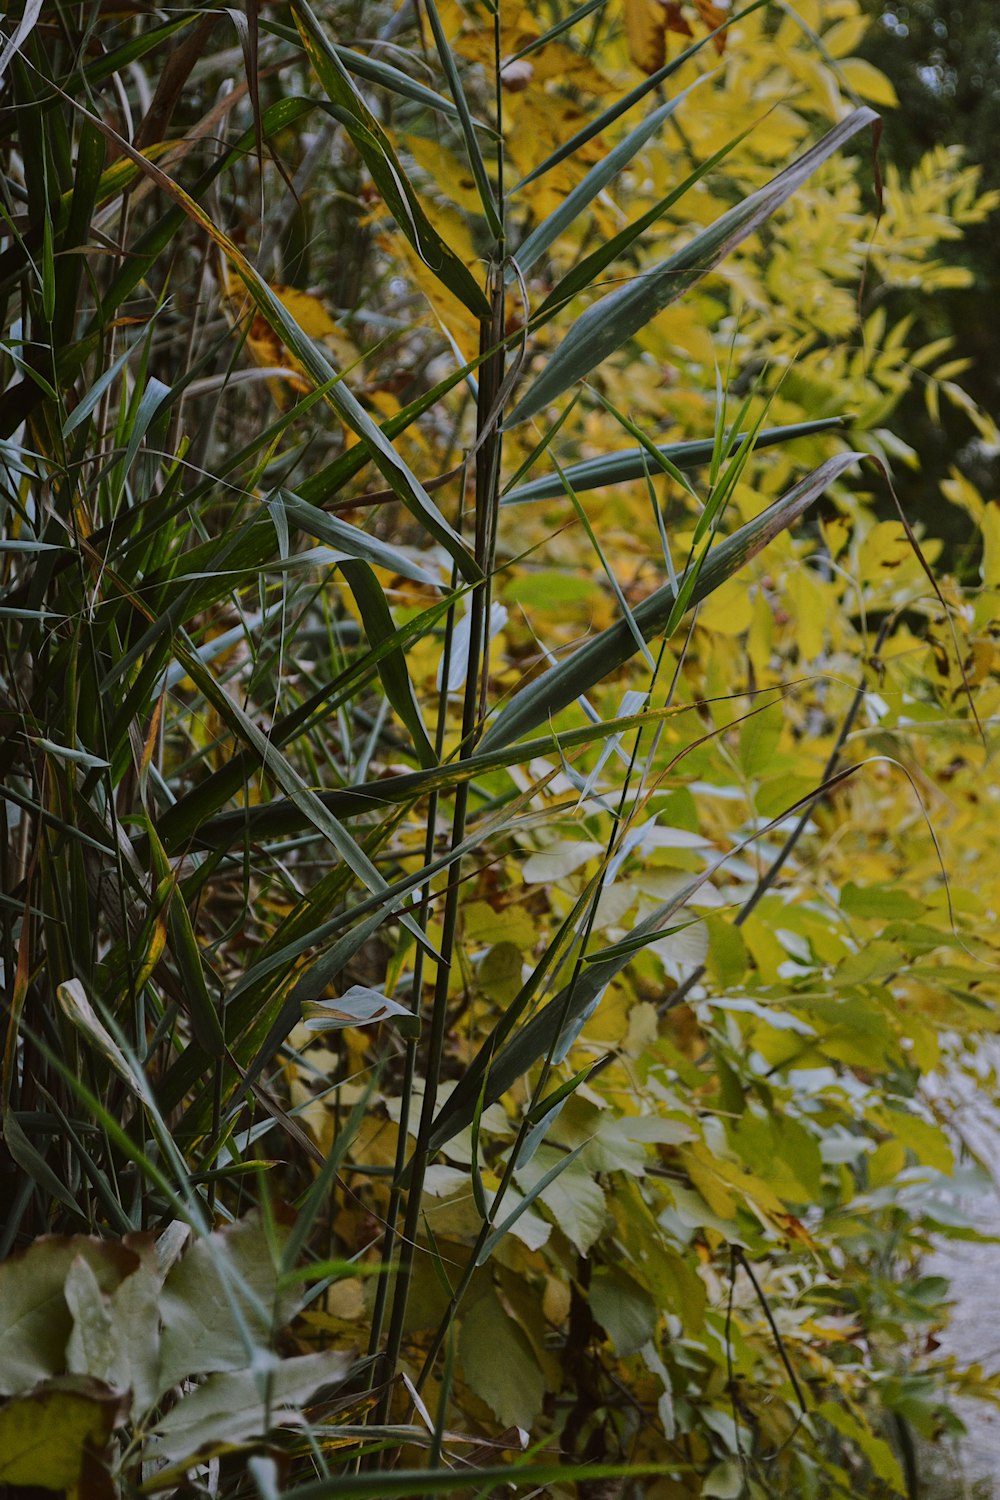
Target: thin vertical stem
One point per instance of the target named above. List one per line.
(487, 498)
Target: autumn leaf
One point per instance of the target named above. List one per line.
(645, 22)
(713, 16)
(267, 349)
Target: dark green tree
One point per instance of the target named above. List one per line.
(943, 57)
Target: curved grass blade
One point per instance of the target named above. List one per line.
(380, 629)
(596, 181)
(377, 152)
(555, 689)
(483, 184)
(621, 106)
(573, 19)
(493, 1240)
(615, 318)
(186, 818)
(585, 272)
(633, 463)
(281, 818)
(351, 540)
(374, 70)
(609, 574)
(397, 475)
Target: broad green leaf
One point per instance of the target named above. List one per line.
(220, 1303)
(759, 736)
(499, 1363)
(571, 1196)
(875, 1449)
(725, 1481)
(35, 1321)
(888, 902)
(540, 1183)
(91, 1348)
(625, 1310)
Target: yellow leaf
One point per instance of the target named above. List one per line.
(269, 352)
(885, 550)
(45, 1435)
(446, 307)
(729, 610)
(449, 175)
(645, 26)
(885, 1163)
(867, 81)
(811, 612)
(843, 37)
(761, 635)
(991, 545)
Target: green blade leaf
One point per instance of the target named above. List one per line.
(633, 463)
(387, 172)
(615, 318)
(372, 70)
(483, 185)
(586, 271)
(555, 689)
(595, 182)
(380, 629)
(621, 106)
(493, 1240)
(279, 818)
(352, 541)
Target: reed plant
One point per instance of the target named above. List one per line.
(259, 756)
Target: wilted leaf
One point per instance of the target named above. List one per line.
(229, 1409)
(220, 1303)
(713, 16)
(645, 22)
(359, 1006)
(35, 1320)
(73, 1000)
